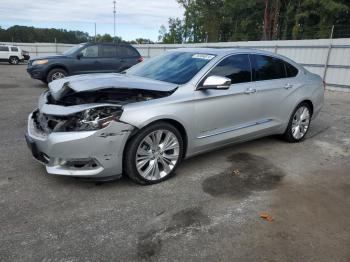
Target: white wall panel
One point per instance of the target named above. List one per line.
(310, 52)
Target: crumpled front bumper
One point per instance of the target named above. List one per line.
(94, 154)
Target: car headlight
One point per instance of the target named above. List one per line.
(40, 62)
(95, 118)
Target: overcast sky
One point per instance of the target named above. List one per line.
(135, 18)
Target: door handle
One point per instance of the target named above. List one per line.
(250, 91)
(288, 86)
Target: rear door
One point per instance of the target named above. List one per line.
(108, 60)
(128, 56)
(275, 88)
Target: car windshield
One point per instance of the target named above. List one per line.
(173, 67)
(72, 50)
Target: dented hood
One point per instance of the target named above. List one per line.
(93, 82)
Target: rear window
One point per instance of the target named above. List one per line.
(4, 48)
(127, 51)
(267, 68)
(14, 49)
(291, 70)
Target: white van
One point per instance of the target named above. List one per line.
(11, 54)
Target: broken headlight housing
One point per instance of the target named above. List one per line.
(95, 118)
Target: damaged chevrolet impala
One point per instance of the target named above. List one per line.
(146, 120)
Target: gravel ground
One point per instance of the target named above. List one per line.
(206, 212)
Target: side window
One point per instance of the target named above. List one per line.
(4, 48)
(235, 67)
(267, 68)
(14, 49)
(107, 51)
(90, 51)
(126, 51)
(291, 70)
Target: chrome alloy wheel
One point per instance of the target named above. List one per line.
(57, 75)
(157, 154)
(301, 122)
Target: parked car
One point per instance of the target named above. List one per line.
(84, 59)
(25, 55)
(174, 106)
(11, 54)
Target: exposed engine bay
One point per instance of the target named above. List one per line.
(94, 116)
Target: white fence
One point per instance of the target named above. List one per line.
(328, 58)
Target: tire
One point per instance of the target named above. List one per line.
(298, 125)
(155, 163)
(14, 60)
(56, 73)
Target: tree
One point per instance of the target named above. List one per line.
(235, 20)
(175, 33)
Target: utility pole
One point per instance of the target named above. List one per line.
(114, 13)
(95, 32)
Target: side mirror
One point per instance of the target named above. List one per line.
(216, 82)
(80, 55)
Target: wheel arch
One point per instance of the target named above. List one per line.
(56, 66)
(178, 125)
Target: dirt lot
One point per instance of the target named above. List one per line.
(206, 212)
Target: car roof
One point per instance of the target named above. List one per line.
(229, 51)
(106, 43)
(225, 51)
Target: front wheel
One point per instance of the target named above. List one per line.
(56, 73)
(299, 123)
(153, 154)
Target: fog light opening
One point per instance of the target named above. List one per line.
(80, 163)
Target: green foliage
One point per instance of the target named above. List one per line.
(244, 20)
(27, 34)
(31, 34)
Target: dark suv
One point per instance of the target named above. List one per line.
(84, 59)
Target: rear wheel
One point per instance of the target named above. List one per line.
(153, 154)
(56, 73)
(14, 60)
(299, 123)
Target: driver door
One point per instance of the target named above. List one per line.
(222, 115)
(88, 62)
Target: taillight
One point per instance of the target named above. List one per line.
(140, 59)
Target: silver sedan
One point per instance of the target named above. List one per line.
(144, 121)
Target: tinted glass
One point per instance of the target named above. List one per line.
(4, 48)
(173, 67)
(107, 51)
(236, 67)
(90, 51)
(291, 70)
(14, 49)
(126, 51)
(266, 68)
